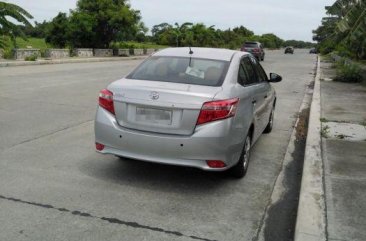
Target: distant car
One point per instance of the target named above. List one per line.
(203, 108)
(255, 48)
(289, 50)
(313, 51)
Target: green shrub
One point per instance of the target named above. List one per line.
(31, 58)
(8, 54)
(348, 72)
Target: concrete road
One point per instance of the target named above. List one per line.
(53, 186)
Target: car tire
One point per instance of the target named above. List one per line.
(241, 168)
(269, 126)
(262, 58)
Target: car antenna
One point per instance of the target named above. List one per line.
(190, 57)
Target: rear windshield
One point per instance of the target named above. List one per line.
(251, 45)
(182, 70)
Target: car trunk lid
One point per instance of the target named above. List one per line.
(160, 107)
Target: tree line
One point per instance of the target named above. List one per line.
(344, 29)
(102, 23)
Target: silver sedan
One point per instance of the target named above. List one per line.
(198, 107)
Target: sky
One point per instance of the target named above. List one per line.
(288, 19)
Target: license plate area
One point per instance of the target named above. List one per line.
(153, 116)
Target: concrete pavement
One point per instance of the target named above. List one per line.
(344, 156)
(332, 199)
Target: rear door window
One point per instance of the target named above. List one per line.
(262, 76)
(246, 63)
(243, 75)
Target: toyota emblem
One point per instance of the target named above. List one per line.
(154, 95)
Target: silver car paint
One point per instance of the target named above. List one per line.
(183, 143)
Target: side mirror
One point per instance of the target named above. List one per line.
(274, 77)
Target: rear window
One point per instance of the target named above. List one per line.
(182, 70)
(251, 45)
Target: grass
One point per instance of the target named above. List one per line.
(36, 43)
(324, 131)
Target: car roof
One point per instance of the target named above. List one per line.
(204, 53)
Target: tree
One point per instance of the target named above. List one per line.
(179, 31)
(344, 29)
(38, 31)
(270, 40)
(97, 23)
(8, 27)
(58, 31)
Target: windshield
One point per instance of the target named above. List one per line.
(182, 70)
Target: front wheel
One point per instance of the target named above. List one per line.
(241, 168)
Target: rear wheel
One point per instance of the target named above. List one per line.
(240, 169)
(270, 122)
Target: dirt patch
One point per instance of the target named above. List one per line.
(281, 221)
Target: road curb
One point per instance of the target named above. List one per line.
(67, 61)
(310, 223)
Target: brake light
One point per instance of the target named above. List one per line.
(216, 164)
(106, 100)
(217, 110)
(256, 50)
(99, 146)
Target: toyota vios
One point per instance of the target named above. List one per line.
(196, 107)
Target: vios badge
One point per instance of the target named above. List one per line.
(154, 95)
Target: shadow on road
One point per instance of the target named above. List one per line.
(147, 175)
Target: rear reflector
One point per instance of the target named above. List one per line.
(215, 164)
(217, 110)
(106, 100)
(99, 146)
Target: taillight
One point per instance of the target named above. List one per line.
(217, 110)
(106, 100)
(215, 163)
(256, 50)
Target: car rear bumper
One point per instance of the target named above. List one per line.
(213, 141)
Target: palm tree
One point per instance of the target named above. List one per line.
(351, 24)
(180, 30)
(12, 11)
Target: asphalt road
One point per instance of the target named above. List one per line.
(54, 186)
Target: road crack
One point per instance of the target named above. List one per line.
(106, 219)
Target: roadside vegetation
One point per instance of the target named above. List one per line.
(342, 34)
(115, 24)
(343, 30)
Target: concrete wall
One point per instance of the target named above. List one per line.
(57, 53)
(138, 52)
(23, 53)
(149, 51)
(103, 52)
(123, 52)
(83, 52)
(1, 53)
